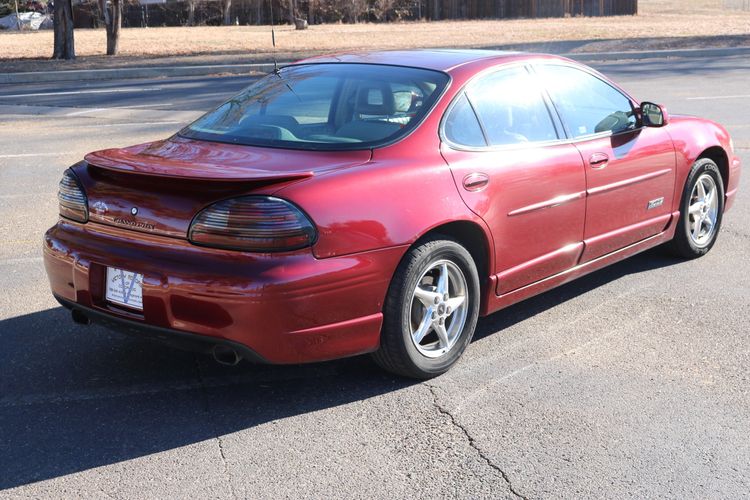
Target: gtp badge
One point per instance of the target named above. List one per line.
(655, 203)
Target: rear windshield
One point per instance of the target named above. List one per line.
(324, 106)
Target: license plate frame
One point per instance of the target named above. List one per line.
(124, 288)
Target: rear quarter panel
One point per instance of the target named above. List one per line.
(391, 201)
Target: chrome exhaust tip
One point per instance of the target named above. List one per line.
(225, 355)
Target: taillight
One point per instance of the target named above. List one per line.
(253, 224)
(73, 203)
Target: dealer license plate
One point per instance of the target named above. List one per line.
(125, 288)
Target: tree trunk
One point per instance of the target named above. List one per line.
(64, 47)
(227, 12)
(435, 9)
(113, 23)
(105, 12)
(18, 18)
(191, 12)
(291, 11)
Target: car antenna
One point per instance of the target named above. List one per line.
(276, 70)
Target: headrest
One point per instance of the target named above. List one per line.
(375, 99)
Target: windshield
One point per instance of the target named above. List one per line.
(324, 106)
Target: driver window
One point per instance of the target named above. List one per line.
(587, 104)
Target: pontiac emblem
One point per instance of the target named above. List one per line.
(134, 210)
(100, 208)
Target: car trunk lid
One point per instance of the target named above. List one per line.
(159, 187)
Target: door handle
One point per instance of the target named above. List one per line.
(476, 181)
(598, 160)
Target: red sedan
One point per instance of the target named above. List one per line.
(380, 203)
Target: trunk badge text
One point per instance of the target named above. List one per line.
(135, 224)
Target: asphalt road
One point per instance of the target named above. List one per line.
(632, 382)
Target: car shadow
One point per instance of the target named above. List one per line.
(74, 398)
(655, 258)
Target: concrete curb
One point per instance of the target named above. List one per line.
(240, 69)
(659, 54)
(143, 72)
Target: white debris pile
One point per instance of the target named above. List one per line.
(26, 21)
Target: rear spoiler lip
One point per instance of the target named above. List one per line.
(116, 161)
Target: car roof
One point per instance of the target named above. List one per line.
(435, 59)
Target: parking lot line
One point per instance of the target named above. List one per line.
(129, 124)
(25, 195)
(78, 92)
(92, 110)
(199, 383)
(714, 97)
(20, 260)
(31, 155)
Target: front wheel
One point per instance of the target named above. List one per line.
(430, 311)
(701, 210)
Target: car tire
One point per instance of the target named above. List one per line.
(700, 217)
(424, 330)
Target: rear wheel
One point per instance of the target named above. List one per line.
(701, 211)
(430, 311)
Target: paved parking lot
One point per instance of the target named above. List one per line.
(631, 382)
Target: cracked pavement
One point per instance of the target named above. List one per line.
(472, 442)
(632, 382)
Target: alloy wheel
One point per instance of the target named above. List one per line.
(439, 308)
(703, 210)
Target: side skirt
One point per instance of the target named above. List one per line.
(494, 302)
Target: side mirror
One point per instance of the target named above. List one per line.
(654, 115)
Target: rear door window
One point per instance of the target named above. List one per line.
(511, 108)
(461, 125)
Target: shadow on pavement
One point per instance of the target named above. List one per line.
(627, 45)
(74, 398)
(652, 259)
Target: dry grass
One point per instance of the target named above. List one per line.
(658, 18)
(679, 6)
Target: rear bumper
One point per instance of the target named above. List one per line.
(285, 308)
(175, 338)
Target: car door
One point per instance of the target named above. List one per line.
(502, 142)
(630, 170)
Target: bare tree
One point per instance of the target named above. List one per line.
(292, 8)
(381, 8)
(112, 10)
(18, 18)
(227, 6)
(64, 47)
(191, 12)
(357, 9)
